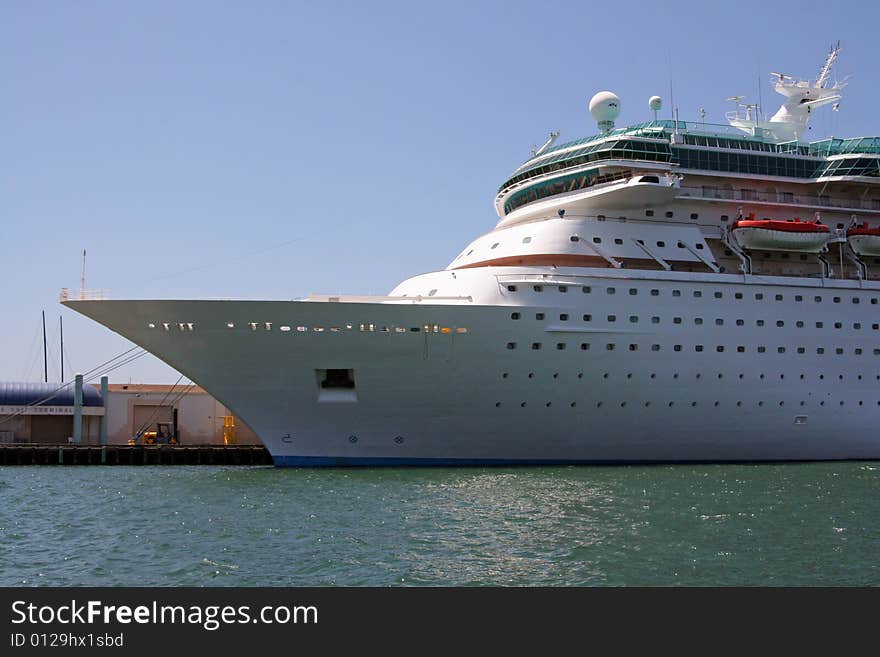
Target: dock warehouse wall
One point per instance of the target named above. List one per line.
(200, 417)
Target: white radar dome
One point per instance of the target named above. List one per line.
(655, 103)
(605, 106)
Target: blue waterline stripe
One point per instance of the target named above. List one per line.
(379, 461)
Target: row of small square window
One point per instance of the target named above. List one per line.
(698, 375)
(617, 240)
(634, 319)
(692, 404)
(587, 289)
(741, 349)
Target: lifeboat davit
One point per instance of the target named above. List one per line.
(864, 240)
(779, 235)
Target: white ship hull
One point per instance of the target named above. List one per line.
(716, 387)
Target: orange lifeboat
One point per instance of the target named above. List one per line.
(780, 235)
(864, 240)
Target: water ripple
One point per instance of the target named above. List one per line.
(797, 524)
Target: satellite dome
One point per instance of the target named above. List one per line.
(605, 107)
(655, 103)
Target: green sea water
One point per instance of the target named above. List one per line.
(793, 524)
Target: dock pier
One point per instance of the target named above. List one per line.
(33, 454)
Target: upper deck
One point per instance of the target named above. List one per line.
(697, 147)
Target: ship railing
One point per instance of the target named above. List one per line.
(369, 298)
(782, 198)
(545, 279)
(96, 294)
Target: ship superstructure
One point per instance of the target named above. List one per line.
(667, 291)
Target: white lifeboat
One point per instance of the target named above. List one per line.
(778, 235)
(864, 240)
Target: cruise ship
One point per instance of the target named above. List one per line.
(664, 292)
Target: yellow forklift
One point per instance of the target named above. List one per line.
(162, 434)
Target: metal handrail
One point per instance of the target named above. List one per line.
(783, 198)
(97, 294)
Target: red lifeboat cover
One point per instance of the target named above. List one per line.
(790, 225)
(863, 229)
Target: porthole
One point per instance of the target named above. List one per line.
(538, 288)
(563, 317)
(494, 246)
(514, 315)
(539, 316)
(526, 240)
(511, 345)
(575, 238)
(536, 345)
(511, 288)
(588, 318)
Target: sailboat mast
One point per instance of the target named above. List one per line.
(45, 361)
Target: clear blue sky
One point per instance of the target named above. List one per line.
(272, 149)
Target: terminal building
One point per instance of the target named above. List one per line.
(43, 413)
